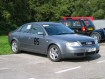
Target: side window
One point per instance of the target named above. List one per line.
(76, 23)
(67, 23)
(35, 29)
(26, 28)
(19, 29)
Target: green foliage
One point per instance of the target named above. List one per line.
(4, 45)
(14, 13)
(99, 14)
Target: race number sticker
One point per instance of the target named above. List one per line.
(29, 27)
(36, 41)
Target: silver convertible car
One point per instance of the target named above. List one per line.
(53, 39)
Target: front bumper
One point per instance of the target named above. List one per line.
(78, 52)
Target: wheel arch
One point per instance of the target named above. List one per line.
(59, 56)
(53, 44)
(97, 32)
(101, 32)
(50, 45)
(13, 40)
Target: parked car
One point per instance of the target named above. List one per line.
(52, 39)
(98, 34)
(85, 26)
(79, 25)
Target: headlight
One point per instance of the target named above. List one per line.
(69, 44)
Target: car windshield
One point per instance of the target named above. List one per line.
(88, 23)
(57, 29)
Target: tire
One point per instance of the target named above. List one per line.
(15, 47)
(96, 35)
(54, 53)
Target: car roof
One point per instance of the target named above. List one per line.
(75, 19)
(44, 23)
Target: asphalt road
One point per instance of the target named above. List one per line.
(34, 66)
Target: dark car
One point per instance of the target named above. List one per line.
(53, 39)
(98, 34)
(80, 26)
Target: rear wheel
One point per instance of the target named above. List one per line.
(14, 46)
(54, 53)
(96, 36)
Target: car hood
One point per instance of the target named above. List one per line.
(72, 37)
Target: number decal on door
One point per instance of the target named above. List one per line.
(36, 41)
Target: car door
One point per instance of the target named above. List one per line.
(24, 37)
(77, 26)
(38, 40)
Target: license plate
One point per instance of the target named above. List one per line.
(91, 49)
(90, 28)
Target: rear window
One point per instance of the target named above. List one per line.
(19, 29)
(26, 28)
(88, 23)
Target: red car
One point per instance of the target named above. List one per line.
(81, 25)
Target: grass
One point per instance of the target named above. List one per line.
(4, 46)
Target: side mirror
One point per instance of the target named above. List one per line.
(40, 33)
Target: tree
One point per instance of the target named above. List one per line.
(14, 13)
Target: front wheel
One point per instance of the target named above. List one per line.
(54, 53)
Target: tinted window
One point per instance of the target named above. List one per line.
(67, 23)
(76, 23)
(35, 29)
(57, 29)
(26, 28)
(88, 23)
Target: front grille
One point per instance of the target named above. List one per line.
(87, 43)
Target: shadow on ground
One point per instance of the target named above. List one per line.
(103, 41)
(36, 54)
(90, 58)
